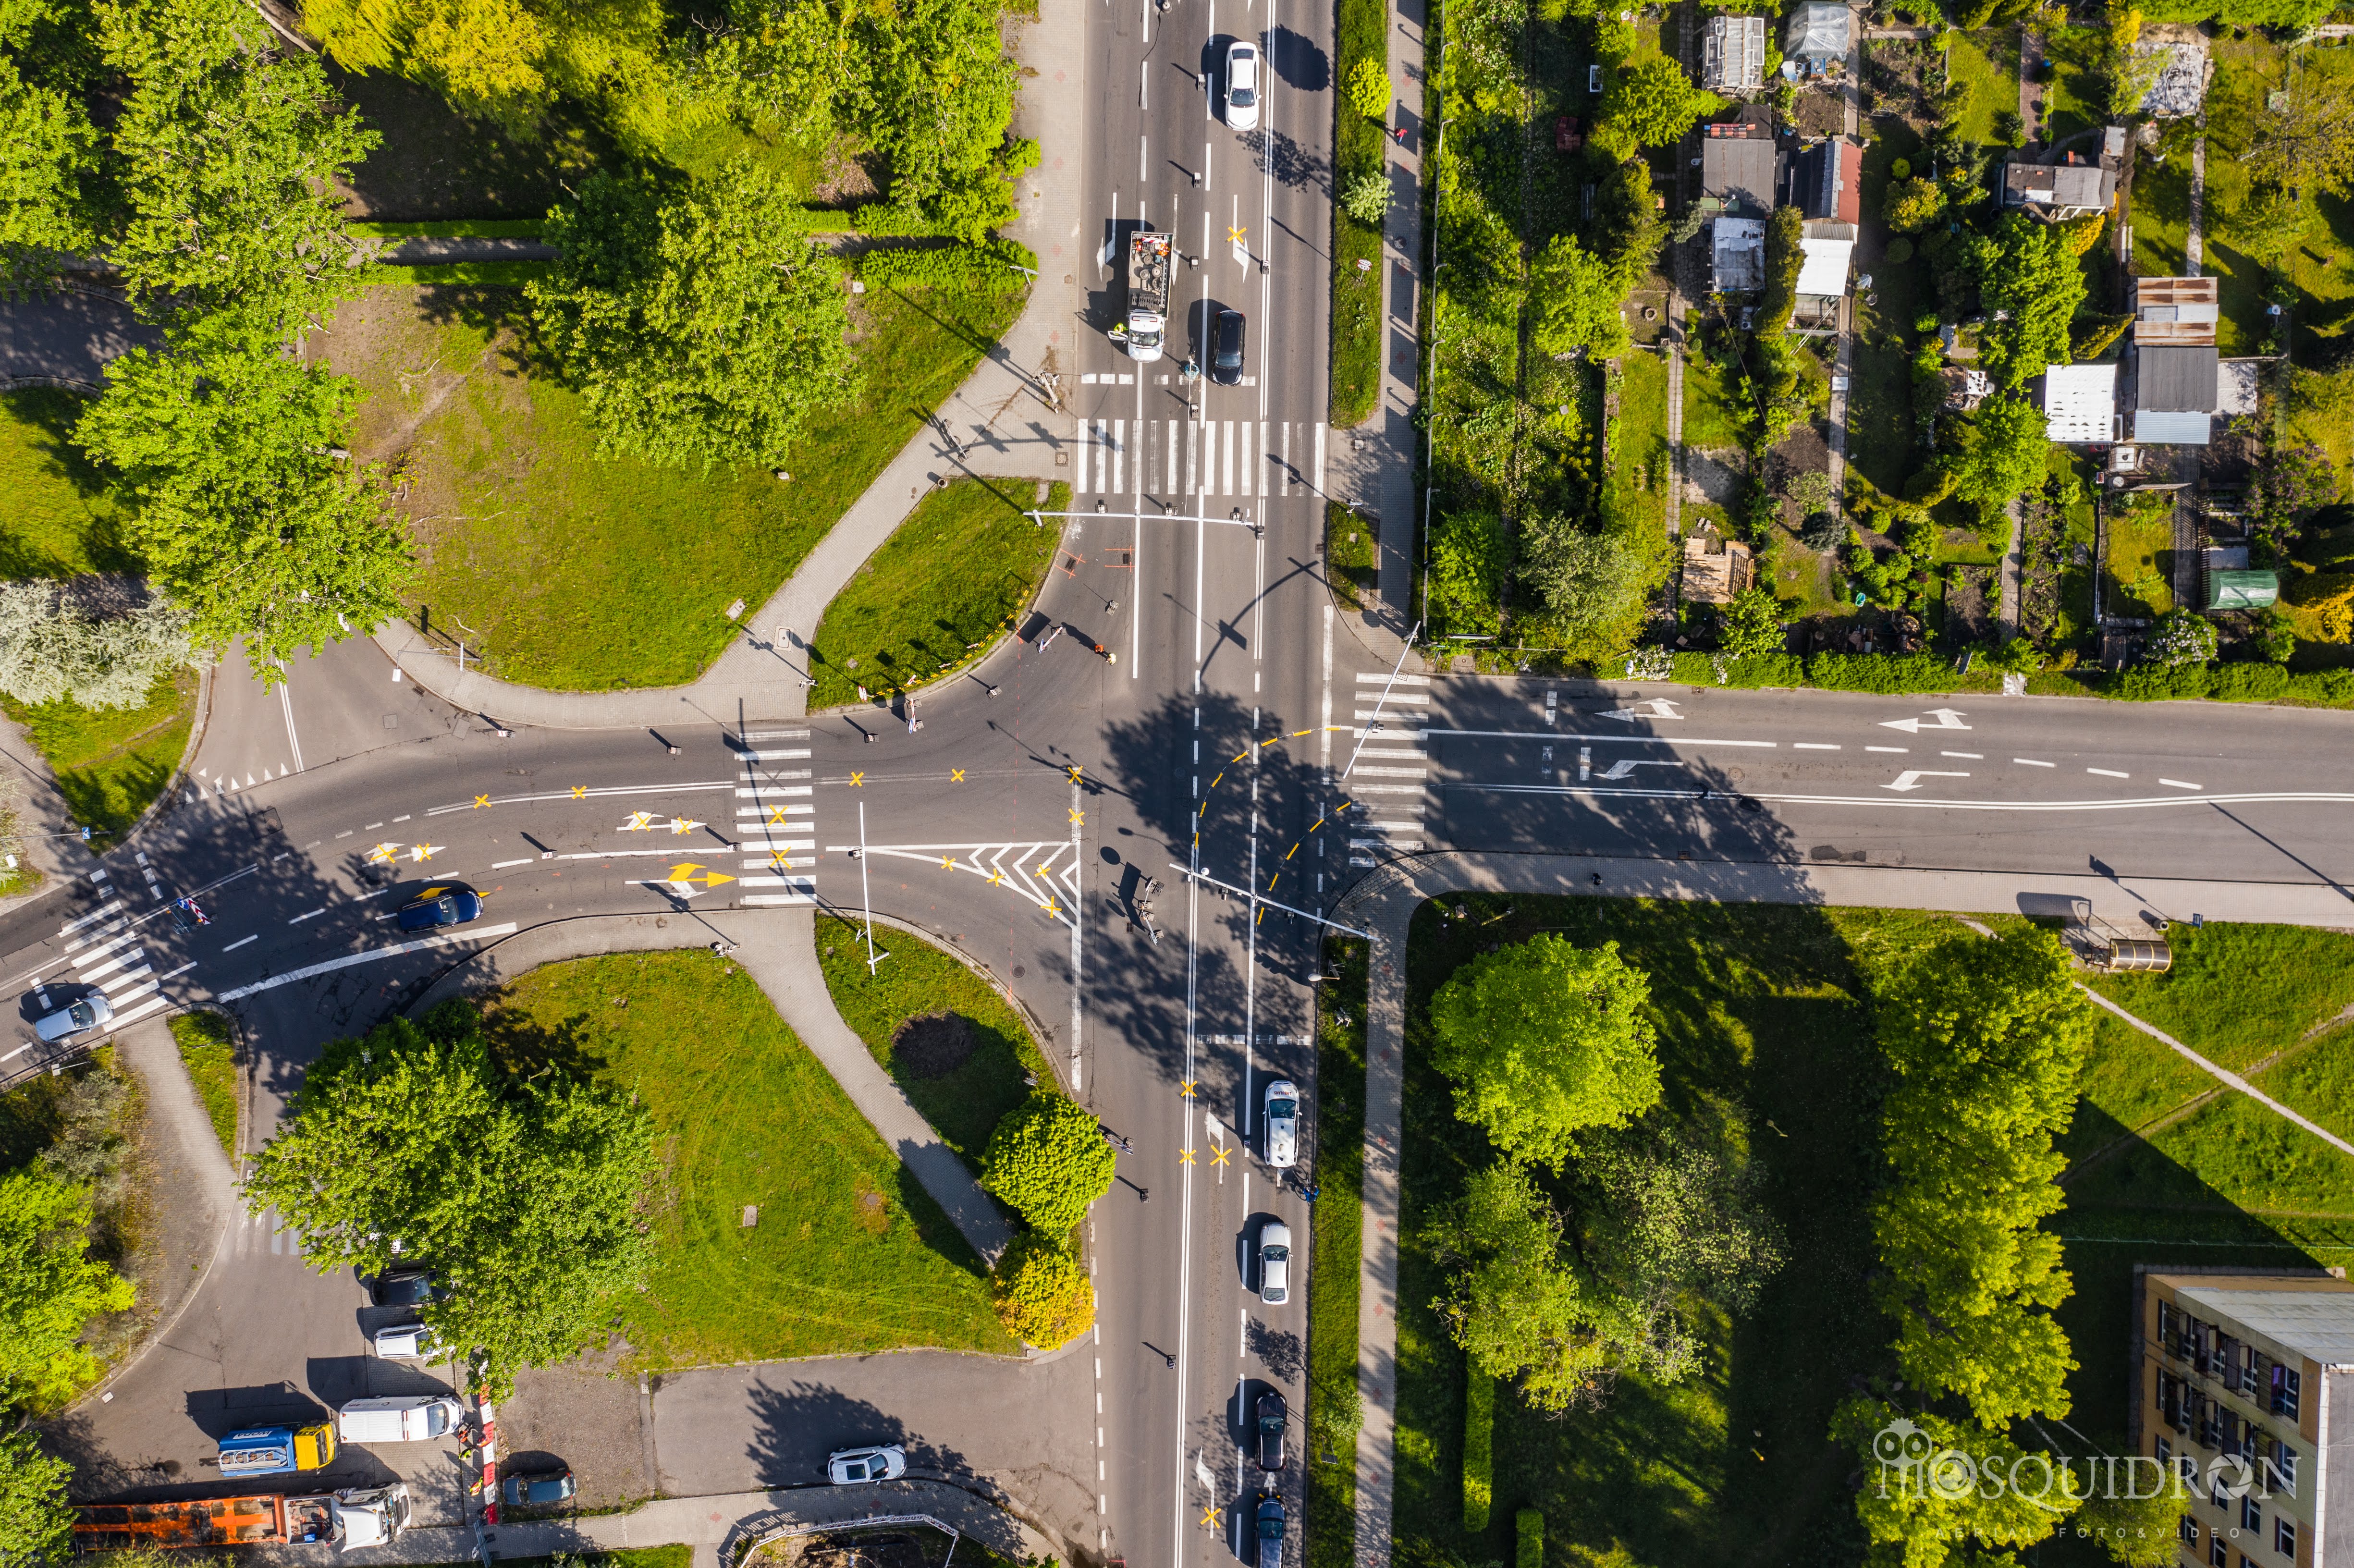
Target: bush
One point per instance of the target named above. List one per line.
(1479, 1448)
(1528, 1544)
(1369, 88)
(1885, 673)
(1041, 1293)
(1366, 198)
(2182, 637)
(1900, 168)
(1048, 1159)
(1899, 251)
(990, 267)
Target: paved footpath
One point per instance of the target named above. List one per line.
(1384, 904)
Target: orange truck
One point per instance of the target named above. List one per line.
(372, 1517)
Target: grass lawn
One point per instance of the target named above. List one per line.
(60, 519)
(2138, 556)
(961, 1097)
(1352, 554)
(1708, 414)
(848, 1254)
(1336, 1243)
(2073, 96)
(1988, 60)
(2206, 1001)
(1362, 33)
(940, 593)
(112, 763)
(2161, 214)
(1638, 441)
(208, 1049)
(579, 573)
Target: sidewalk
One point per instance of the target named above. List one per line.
(1385, 903)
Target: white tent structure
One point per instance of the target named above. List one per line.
(1822, 271)
(2080, 404)
(1819, 33)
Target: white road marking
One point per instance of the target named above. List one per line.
(2030, 762)
(1971, 756)
(95, 916)
(2179, 784)
(1812, 746)
(1607, 739)
(503, 865)
(592, 794)
(1900, 751)
(175, 974)
(100, 951)
(241, 941)
(1377, 678)
(442, 940)
(2107, 773)
(2131, 803)
(308, 915)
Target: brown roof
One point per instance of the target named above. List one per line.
(2176, 312)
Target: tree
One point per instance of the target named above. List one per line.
(1369, 88)
(248, 516)
(1594, 585)
(35, 1520)
(1048, 1159)
(697, 328)
(525, 1195)
(1577, 297)
(2274, 636)
(2181, 636)
(1650, 104)
(2000, 451)
(1467, 572)
(2272, 225)
(1914, 204)
(49, 148)
(1544, 1039)
(1785, 257)
(1042, 1293)
(226, 151)
(1926, 1516)
(2291, 482)
(2031, 288)
(1366, 198)
(50, 1290)
(1676, 1218)
(2304, 136)
(1751, 624)
(2138, 1531)
(51, 650)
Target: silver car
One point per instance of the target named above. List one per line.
(1282, 1114)
(406, 1341)
(1275, 1264)
(1242, 87)
(93, 1012)
(860, 1467)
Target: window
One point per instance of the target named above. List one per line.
(2215, 1552)
(2280, 1469)
(2215, 1493)
(2285, 1538)
(2287, 1384)
(2165, 1454)
(2190, 1531)
(2252, 1518)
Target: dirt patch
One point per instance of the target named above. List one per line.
(871, 1210)
(434, 162)
(1968, 604)
(1821, 114)
(934, 1045)
(846, 178)
(1713, 477)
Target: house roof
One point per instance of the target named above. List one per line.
(2311, 1320)
(2176, 310)
(1734, 54)
(1738, 253)
(1831, 181)
(2235, 386)
(1823, 272)
(2080, 403)
(2058, 185)
(1739, 172)
(2176, 380)
(2163, 428)
(1817, 30)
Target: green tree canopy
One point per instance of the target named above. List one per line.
(1594, 585)
(50, 1290)
(49, 148)
(247, 516)
(1914, 204)
(1577, 297)
(1467, 572)
(1041, 1291)
(1650, 104)
(1999, 450)
(1368, 82)
(1515, 1302)
(1752, 624)
(35, 1520)
(1048, 1159)
(1910, 1519)
(698, 328)
(523, 1195)
(2031, 287)
(1545, 1039)
(2303, 134)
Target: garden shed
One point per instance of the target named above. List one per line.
(2242, 589)
(1818, 35)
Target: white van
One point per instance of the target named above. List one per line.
(402, 1418)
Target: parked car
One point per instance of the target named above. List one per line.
(400, 1418)
(1270, 1532)
(537, 1488)
(93, 1012)
(438, 906)
(858, 1466)
(1274, 1420)
(402, 1287)
(407, 1342)
(1227, 354)
(1242, 87)
(1282, 1123)
(1275, 1264)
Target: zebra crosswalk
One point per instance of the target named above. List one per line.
(1387, 783)
(267, 1230)
(1201, 456)
(776, 819)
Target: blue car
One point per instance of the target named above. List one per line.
(438, 906)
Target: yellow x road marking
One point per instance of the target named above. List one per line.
(1053, 908)
(382, 855)
(857, 779)
(776, 814)
(1076, 771)
(1186, 1088)
(1185, 1156)
(995, 878)
(955, 774)
(1078, 816)
(1234, 236)
(1218, 1155)
(1210, 1518)
(481, 802)
(580, 791)
(947, 861)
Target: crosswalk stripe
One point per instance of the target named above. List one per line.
(1379, 678)
(1361, 770)
(1118, 451)
(1283, 470)
(1392, 715)
(1317, 484)
(119, 982)
(1356, 788)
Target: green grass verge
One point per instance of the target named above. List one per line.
(1988, 60)
(1638, 441)
(942, 592)
(1362, 33)
(2161, 214)
(2212, 1003)
(849, 1254)
(110, 764)
(1336, 1235)
(479, 274)
(208, 1049)
(2074, 99)
(920, 981)
(2137, 557)
(1352, 556)
(579, 573)
(455, 228)
(1709, 422)
(62, 519)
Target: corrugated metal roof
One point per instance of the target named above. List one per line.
(2317, 1323)
(2158, 429)
(2080, 403)
(2176, 379)
(1738, 171)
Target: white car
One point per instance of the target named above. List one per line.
(406, 1341)
(1242, 87)
(1275, 1264)
(93, 1012)
(1282, 1124)
(858, 1466)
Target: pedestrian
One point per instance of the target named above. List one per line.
(1397, 134)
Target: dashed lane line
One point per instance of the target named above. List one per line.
(471, 804)
(2286, 796)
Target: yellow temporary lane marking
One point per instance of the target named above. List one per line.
(955, 774)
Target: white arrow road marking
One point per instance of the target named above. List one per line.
(1911, 777)
(1624, 769)
(1650, 708)
(1946, 718)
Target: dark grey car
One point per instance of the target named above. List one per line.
(1270, 1532)
(1226, 356)
(1274, 1420)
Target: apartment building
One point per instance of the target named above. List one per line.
(2257, 1369)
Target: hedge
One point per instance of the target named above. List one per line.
(454, 228)
(879, 219)
(1924, 674)
(1528, 1550)
(990, 267)
(1479, 1448)
(2231, 683)
(491, 274)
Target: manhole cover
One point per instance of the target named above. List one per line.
(1733, 774)
(392, 721)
